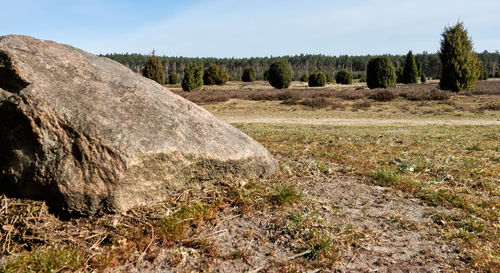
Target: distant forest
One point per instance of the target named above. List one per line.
(300, 64)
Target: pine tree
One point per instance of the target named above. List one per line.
(460, 65)
(153, 69)
(410, 72)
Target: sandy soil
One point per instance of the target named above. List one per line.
(358, 121)
(395, 235)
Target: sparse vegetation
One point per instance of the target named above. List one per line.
(280, 75)
(285, 195)
(383, 95)
(332, 95)
(380, 73)
(451, 169)
(47, 260)
(391, 178)
(432, 94)
(431, 172)
(361, 105)
(311, 102)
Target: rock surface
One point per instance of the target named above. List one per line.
(89, 136)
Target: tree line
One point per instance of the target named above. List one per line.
(300, 64)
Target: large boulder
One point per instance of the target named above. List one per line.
(89, 136)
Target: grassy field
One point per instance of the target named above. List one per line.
(407, 184)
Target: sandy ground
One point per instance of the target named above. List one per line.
(395, 235)
(359, 121)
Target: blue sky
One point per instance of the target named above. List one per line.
(225, 28)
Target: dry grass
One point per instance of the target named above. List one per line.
(34, 239)
(453, 169)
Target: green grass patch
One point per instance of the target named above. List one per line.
(47, 260)
(285, 195)
(385, 177)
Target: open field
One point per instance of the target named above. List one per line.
(410, 184)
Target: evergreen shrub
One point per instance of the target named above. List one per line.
(193, 78)
(343, 77)
(280, 74)
(380, 73)
(317, 79)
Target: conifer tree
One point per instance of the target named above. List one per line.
(329, 77)
(380, 73)
(266, 75)
(280, 74)
(153, 69)
(173, 78)
(343, 77)
(317, 78)
(215, 74)
(248, 74)
(423, 78)
(399, 75)
(410, 71)
(193, 78)
(460, 67)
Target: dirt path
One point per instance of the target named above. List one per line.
(360, 121)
